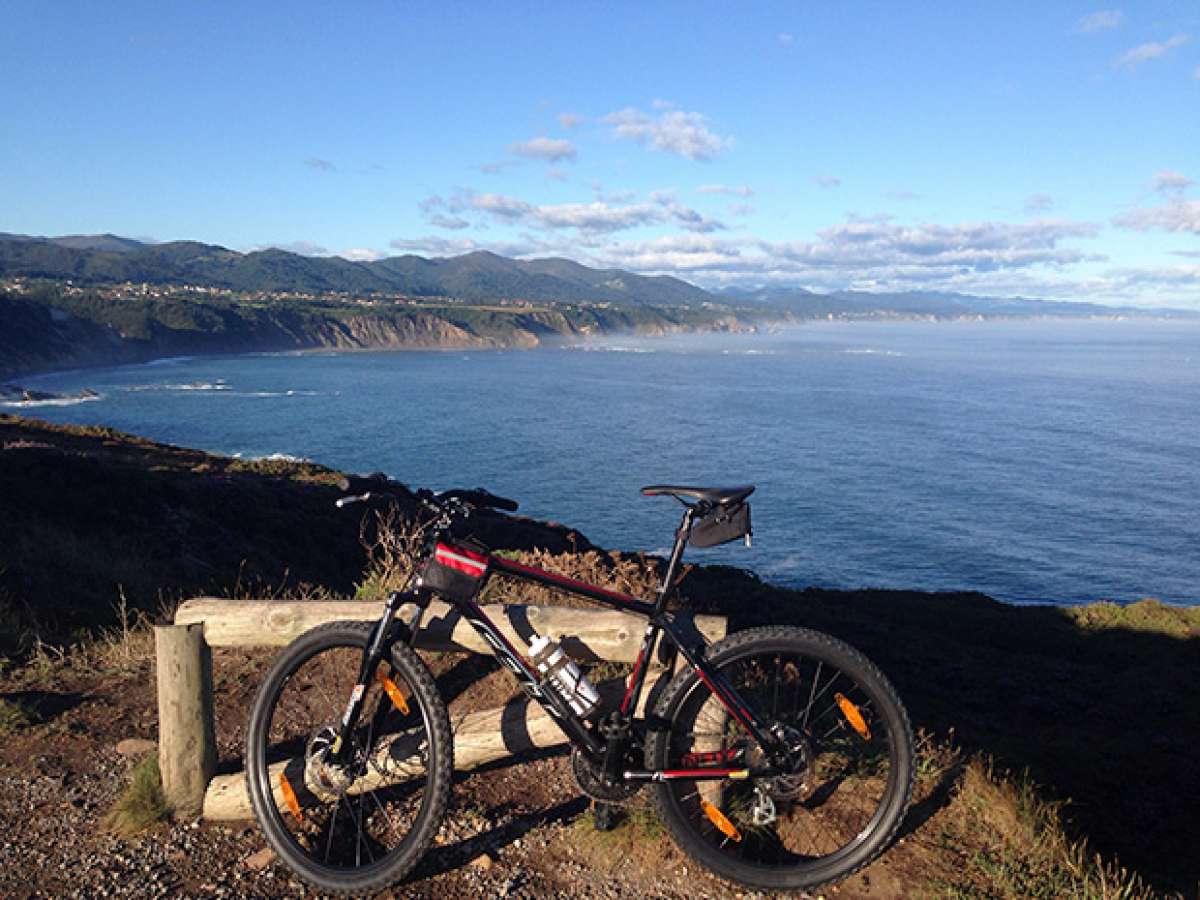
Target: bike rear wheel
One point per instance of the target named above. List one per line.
(841, 806)
(359, 827)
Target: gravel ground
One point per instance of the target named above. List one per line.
(515, 831)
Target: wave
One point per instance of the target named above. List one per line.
(273, 457)
(276, 394)
(56, 401)
(218, 385)
(869, 351)
(167, 361)
(612, 348)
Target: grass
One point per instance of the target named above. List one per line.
(15, 716)
(141, 804)
(999, 838)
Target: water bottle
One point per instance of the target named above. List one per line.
(563, 675)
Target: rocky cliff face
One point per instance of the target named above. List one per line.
(75, 332)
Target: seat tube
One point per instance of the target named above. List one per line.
(664, 589)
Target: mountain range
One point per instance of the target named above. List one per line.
(475, 276)
(480, 276)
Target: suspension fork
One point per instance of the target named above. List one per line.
(378, 642)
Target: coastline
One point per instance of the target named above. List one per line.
(564, 341)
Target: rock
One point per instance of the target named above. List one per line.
(136, 746)
(261, 859)
(483, 861)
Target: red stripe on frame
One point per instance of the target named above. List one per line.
(461, 560)
(632, 680)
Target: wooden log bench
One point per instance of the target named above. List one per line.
(187, 745)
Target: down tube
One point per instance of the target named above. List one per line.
(512, 660)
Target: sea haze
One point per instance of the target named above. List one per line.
(1038, 462)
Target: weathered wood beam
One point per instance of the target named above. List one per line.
(479, 738)
(586, 634)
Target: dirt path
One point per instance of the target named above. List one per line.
(512, 831)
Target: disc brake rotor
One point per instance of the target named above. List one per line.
(322, 777)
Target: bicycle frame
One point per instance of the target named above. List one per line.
(659, 622)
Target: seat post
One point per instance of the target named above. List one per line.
(685, 526)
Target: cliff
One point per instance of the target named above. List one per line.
(59, 326)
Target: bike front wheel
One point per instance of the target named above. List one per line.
(845, 799)
(361, 824)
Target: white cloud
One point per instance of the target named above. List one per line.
(498, 168)
(310, 248)
(826, 181)
(436, 245)
(551, 150)
(302, 248)
(454, 223)
(499, 205)
(360, 254)
(741, 209)
(1178, 215)
(1100, 21)
(785, 39)
(569, 120)
(1152, 50)
(685, 134)
(1038, 203)
(742, 190)
(601, 216)
(1171, 182)
(596, 216)
(872, 253)
(321, 165)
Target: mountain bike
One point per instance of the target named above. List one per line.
(781, 757)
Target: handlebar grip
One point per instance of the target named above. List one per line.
(503, 503)
(480, 497)
(375, 483)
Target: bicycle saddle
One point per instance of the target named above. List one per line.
(714, 496)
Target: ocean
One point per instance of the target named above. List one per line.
(1047, 461)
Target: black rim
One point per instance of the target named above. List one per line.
(839, 794)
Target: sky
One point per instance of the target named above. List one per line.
(1036, 149)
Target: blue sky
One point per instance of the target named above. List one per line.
(1039, 149)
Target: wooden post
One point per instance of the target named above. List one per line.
(187, 750)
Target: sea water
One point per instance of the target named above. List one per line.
(1035, 461)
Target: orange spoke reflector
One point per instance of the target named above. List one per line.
(289, 797)
(718, 818)
(392, 691)
(853, 716)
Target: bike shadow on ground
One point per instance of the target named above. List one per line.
(444, 858)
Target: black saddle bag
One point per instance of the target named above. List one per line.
(723, 524)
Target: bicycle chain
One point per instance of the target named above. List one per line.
(592, 785)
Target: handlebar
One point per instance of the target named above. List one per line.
(364, 488)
